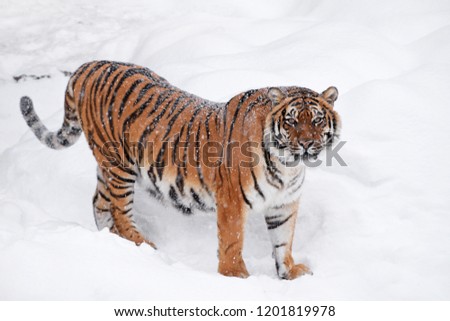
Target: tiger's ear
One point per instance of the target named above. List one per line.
(330, 95)
(275, 95)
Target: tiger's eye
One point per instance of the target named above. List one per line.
(317, 120)
(291, 121)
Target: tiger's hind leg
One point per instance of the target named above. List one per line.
(121, 191)
(101, 204)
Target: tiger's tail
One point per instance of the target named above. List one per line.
(70, 130)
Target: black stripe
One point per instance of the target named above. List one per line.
(297, 103)
(229, 247)
(100, 179)
(278, 136)
(216, 120)
(335, 126)
(238, 108)
(220, 174)
(155, 194)
(294, 180)
(152, 177)
(179, 181)
(273, 217)
(101, 210)
(79, 72)
(124, 212)
(175, 146)
(175, 117)
(158, 117)
(197, 159)
(120, 178)
(174, 105)
(143, 136)
(224, 118)
(273, 224)
(127, 95)
(119, 186)
(250, 107)
(127, 154)
(130, 119)
(129, 171)
(160, 163)
(207, 123)
(255, 181)
(103, 196)
(142, 92)
(273, 171)
(188, 133)
(242, 191)
(280, 245)
(160, 100)
(121, 195)
(198, 201)
(299, 185)
(173, 195)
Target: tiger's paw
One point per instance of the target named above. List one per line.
(235, 273)
(146, 242)
(132, 235)
(296, 271)
(239, 270)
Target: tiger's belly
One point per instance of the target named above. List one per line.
(186, 197)
(191, 198)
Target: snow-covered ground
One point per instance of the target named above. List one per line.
(376, 229)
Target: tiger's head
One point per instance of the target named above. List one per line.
(302, 122)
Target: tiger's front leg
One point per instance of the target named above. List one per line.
(281, 225)
(231, 217)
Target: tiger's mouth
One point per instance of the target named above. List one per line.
(305, 157)
(311, 152)
(294, 156)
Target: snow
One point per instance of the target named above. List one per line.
(377, 229)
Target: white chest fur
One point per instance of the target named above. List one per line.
(277, 195)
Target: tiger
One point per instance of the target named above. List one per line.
(143, 130)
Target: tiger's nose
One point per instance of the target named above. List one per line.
(306, 144)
